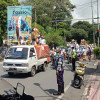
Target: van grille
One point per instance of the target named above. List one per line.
(18, 64)
(10, 64)
(14, 64)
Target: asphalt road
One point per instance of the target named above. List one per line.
(44, 84)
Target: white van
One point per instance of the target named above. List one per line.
(23, 59)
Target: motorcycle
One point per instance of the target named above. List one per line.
(79, 74)
(8, 92)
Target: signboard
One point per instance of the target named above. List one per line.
(19, 23)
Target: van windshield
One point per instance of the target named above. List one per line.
(17, 53)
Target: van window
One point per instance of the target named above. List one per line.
(31, 52)
(17, 53)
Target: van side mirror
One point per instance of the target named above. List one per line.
(20, 89)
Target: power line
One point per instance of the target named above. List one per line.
(85, 3)
(80, 7)
(73, 19)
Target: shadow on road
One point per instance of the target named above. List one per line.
(16, 76)
(90, 71)
(49, 92)
(68, 66)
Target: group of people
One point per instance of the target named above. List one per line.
(71, 52)
(82, 52)
(39, 39)
(59, 57)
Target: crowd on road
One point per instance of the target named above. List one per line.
(72, 53)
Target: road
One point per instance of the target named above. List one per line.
(43, 84)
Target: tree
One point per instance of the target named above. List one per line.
(86, 26)
(78, 34)
(58, 41)
(48, 11)
(82, 25)
(3, 16)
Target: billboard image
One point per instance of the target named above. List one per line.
(19, 23)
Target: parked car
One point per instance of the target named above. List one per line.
(8, 92)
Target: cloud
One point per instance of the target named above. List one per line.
(83, 10)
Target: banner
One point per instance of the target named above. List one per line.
(19, 23)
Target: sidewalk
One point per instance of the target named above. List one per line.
(94, 90)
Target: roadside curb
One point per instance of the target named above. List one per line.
(92, 85)
(87, 89)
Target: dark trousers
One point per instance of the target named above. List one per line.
(73, 63)
(61, 88)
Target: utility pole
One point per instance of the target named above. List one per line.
(93, 23)
(98, 20)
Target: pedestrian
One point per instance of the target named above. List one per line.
(89, 53)
(69, 55)
(84, 54)
(73, 56)
(59, 74)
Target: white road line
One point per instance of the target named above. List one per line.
(86, 89)
(67, 87)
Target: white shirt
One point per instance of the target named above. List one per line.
(84, 52)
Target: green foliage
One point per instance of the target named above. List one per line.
(78, 34)
(82, 25)
(97, 52)
(3, 16)
(48, 11)
(87, 27)
(58, 41)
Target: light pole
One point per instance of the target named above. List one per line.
(98, 20)
(93, 23)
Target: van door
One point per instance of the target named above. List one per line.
(32, 57)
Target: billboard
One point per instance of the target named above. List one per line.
(19, 23)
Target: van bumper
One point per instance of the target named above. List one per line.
(16, 69)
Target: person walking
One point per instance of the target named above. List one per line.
(73, 56)
(69, 55)
(84, 54)
(89, 53)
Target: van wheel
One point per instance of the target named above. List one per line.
(44, 67)
(10, 73)
(33, 71)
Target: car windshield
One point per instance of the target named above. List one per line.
(17, 53)
(6, 88)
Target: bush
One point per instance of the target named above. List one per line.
(97, 52)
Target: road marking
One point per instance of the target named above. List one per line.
(86, 89)
(67, 87)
